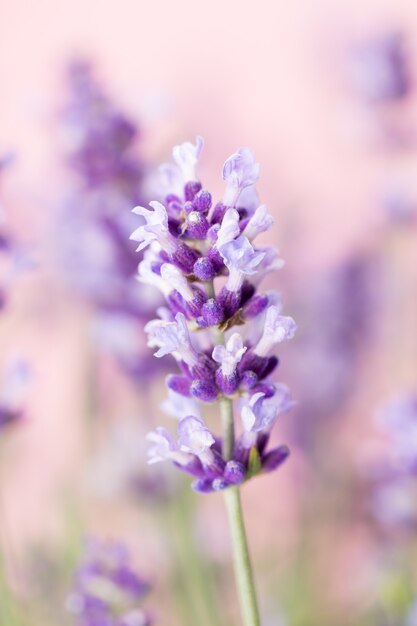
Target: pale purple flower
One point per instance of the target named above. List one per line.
(260, 414)
(191, 300)
(174, 277)
(241, 259)
(271, 262)
(398, 420)
(249, 199)
(148, 276)
(169, 180)
(155, 227)
(239, 171)
(179, 406)
(229, 228)
(107, 589)
(230, 355)
(393, 501)
(379, 68)
(163, 447)
(13, 392)
(277, 328)
(394, 475)
(186, 156)
(260, 221)
(194, 436)
(171, 338)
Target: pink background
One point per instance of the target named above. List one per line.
(266, 74)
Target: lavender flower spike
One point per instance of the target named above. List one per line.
(216, 367)
(211, 370)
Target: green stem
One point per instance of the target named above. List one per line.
(226, 412)
(242, 563)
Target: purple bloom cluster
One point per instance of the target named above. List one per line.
(99, 142)
(99, 136)
(107, 590)
(203, 258)
(100, 148)
(395, 488)
(379, 68)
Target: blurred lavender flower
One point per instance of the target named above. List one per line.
(99, 142)
(107, 590)
(13, 258)
(12, 393)
(395, 476)
(399, 206)
(189, 243)
(380, 74)
(325, 364)
(379, 69)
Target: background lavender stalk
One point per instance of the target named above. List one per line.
(100, 145)
(107, 589)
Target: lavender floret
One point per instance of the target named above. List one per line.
(107, 590)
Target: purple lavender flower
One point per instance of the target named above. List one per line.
(228, 356)
(193, 247)
(99, 143)
(399, 206)
(107, 590)
(336, 308)
(100, 149)
(395, 475)
(379, 69)
(239, 171)
(399, 421)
